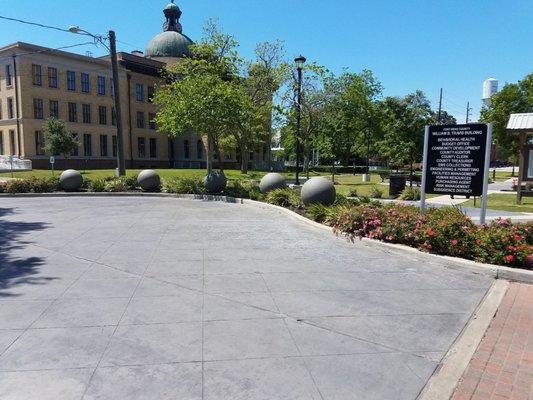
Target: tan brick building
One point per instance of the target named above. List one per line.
(38, 82)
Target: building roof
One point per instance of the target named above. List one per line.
(171, 42)
(520, 123)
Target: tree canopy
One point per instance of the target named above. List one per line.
(57, 139)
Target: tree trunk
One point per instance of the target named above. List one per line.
(209, 155)
(333, 172)
(244, 158)
(306, 165)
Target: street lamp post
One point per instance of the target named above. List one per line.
(300, 61)
(121, 164)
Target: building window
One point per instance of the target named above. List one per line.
(52, 77)
(186, 150)
(115, 145)
(54, 108)
(101, 85)
(103, 145)
(140, 120)
(141, 146)
(75, 152)
(102, 115)
(39, 143)
(113, 116)
(72, 112)
(151, 92)
(12, 141)
(139, 92)
(10, 110)
(153, 148)
(37, 74)
(86, 113)
(71, 81)
(87, 145)
(85, 83)
(112, 87)
(9, 75)
(151, 121)
(38, 109)
(199, 149)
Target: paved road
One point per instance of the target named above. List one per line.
(111, 298)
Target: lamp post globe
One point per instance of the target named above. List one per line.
(300, 61)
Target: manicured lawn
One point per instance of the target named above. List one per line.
(505, 202)
(502, 176)
(164, 173)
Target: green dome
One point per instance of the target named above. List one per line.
(169, 44)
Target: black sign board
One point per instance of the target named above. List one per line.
(456, 159)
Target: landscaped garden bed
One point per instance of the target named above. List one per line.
(444, 231)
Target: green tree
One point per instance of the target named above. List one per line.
(203, 94)
(513, 98)
(404, 123)
(57, 139)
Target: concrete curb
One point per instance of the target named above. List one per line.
(496, 271)
(442, 384)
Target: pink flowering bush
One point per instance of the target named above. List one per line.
(445, 231)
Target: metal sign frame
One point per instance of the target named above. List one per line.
(486, 173)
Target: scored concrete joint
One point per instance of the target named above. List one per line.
(215, 182)
(149, 180)
(71, 180)
(318, 190)
(272, 181)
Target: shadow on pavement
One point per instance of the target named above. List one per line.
(16, 270)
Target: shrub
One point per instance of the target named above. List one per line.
(502, 242)
(116, 185)
(283, 197)
(352, 192)
(98, 185)
(243, 190)
(32, 185)
(14, 186)
(410, 193)
(192, 185)
(448, 231)
(376, 193)
(325, 214)
(130, 182)
(43, 185)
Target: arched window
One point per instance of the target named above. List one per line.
(186, 149)
(200, 149)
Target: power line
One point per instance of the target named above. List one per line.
(47, 50)
(34, 24)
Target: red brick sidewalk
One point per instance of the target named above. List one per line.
(502, 367)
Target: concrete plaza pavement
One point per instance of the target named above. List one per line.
(160, 298)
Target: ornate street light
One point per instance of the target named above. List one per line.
(300, 61)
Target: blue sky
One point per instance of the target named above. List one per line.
(408, 44)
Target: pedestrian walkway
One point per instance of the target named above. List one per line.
(502, 367)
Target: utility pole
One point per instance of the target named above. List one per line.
(300, 60)
(440, 108)
(468, 109)
(116, 88)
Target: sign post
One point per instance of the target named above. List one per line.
(457, 161)
(11, 163)
(52, 162)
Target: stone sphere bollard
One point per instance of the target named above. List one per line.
(271, 182)
(215, 182)
(71, 180)
(149, 180)
(318, 190)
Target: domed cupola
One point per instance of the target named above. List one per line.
(171, 43)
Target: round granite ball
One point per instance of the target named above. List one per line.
(71, 180)
(149, 180)
(318, 190)
(271, 182)
(215, 182)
